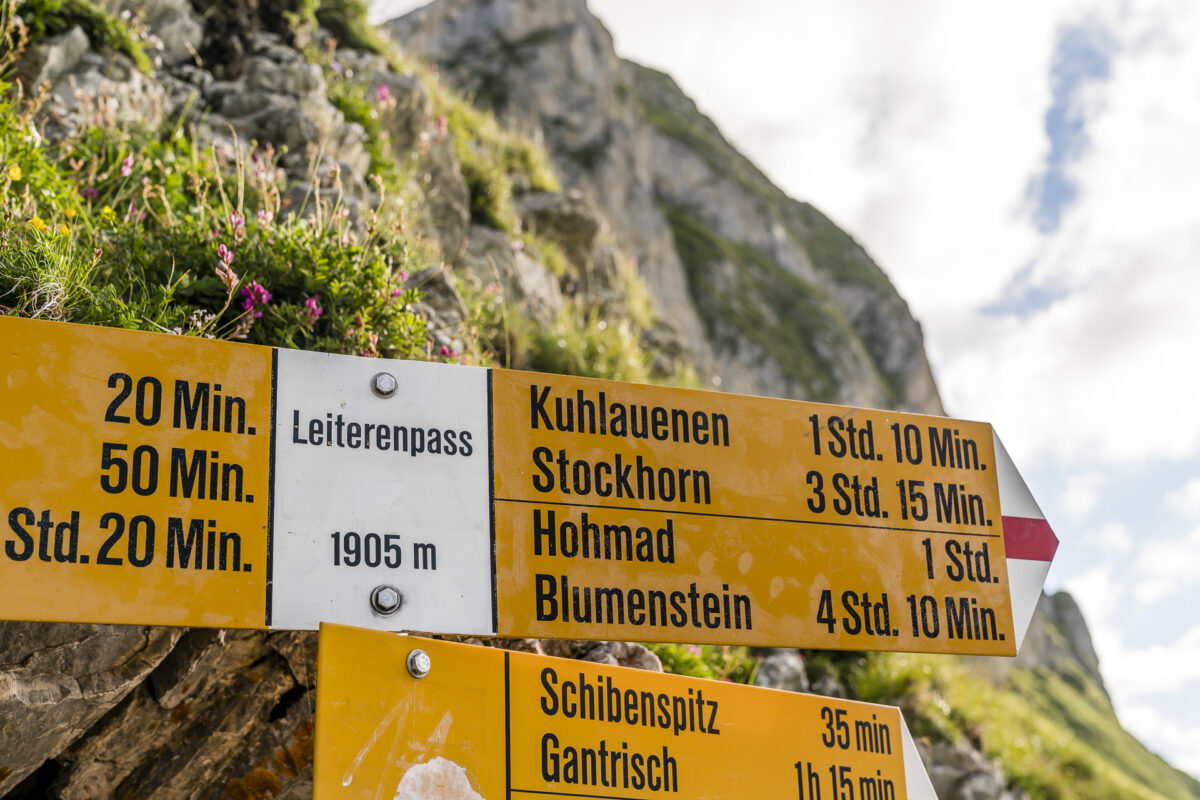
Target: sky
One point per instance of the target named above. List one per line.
(1028, 175)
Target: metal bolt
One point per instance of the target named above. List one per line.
(384, 384)
(419, 663)
(386, 600)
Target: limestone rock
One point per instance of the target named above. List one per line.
(177, 27)
(1058, 636)
(958, 772)
(442, 305)
(281, 100)
(568, 219)
(782, 669)
(768, 295)
(57, 56)
(447, 198)
(225, 711)
(616, 654)
(491, 257)
(550, 68)
(103, 89)
(828, 686)
(56, 680)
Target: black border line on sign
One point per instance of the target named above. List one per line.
(745, 516)
(507, 732)
(572, 794)
(492, 501)
(271, 484)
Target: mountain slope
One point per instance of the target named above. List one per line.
(778, 300)
(769, 295)
(1043, 718)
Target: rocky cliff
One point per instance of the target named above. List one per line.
(769, 296)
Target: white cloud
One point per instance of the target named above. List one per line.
(1114, 538)
(1083, 492)
(1094, 374)
(1166, 568)
(1155, 669)
(1096, 593)
(1166, 732)
(1185, 500)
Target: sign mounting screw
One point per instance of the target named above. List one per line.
(386, 600)
(419, 663)
(384, 384)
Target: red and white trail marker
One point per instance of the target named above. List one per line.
(1029, 543)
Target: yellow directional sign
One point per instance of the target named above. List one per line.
(135, 479)
(643, 512)
(157, 479)
(485, 723)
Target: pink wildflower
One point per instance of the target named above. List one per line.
(264, 217)
(127, 166)
(238, 223)
(443, 127)
(224, 272)
(254, 296)
(383, 93)
(259, 167)
(312, 310)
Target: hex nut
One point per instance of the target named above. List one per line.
(386, 600)
(384, 384)
(419, 663)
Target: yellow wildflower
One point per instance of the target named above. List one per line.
(14, 173)
(70, 212)
(108, 213)
(64, 229)
(39, 223)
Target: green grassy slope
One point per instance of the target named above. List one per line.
(1054, 731)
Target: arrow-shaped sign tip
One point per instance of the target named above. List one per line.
(1029, 541)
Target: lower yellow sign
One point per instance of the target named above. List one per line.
(411, 718)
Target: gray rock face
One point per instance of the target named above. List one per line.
(1058, 636)
(226, 710)
(281, 99)
(177, 27)
(962, 773)
(782, 669)
(56, 680)
(56, 57)
(769, 295)
(550, 68)
(491, 258)
(614, 654)
(87, 88)
(568, 219)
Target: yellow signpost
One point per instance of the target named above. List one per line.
(485, 723)
(135, 479)
(157, 479)
(651, 513)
